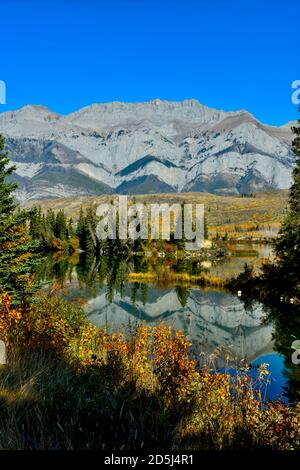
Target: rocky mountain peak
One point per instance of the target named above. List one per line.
(154, 146)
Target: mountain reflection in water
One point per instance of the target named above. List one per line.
(210, 318)
(217, 322)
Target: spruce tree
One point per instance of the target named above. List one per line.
(288, 244)
(36, 223)
(17, 259)
(205, 228)
(50, 221)
(294, 199)
(86, 231)
(80, 229)
(60, 225)
(7, 204)
(91, 225)
(70, 230)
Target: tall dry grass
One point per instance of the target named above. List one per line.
(71, 385)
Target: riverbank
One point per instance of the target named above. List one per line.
(184, 278)
(70, 385)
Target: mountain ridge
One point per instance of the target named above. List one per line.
(157, 146)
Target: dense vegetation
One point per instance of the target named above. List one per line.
(18, 252)
(56, 232)
(288, 243)
(53, 231)
(232, 214)
(70, 385)
(280, 279)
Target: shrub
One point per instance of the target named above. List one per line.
(49, 324)
(71, 385)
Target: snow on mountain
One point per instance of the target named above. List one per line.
(156, 146)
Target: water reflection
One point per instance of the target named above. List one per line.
(211, 318)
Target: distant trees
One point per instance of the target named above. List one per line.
(54, 231)
(280, 278)
(294, 199)
(288, 243)
(205, 228)
(17, 248)
(57, 232)
(251, 195)
(86, 230)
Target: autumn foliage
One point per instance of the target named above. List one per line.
(93, 388)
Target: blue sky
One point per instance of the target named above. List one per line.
(228, 54)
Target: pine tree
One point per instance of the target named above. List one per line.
(288, 244)
(80, 229)
(294, 199)
(50, 220)
(7, 204)
(70, 230)
(205, 229)
(36, 223)
(17, 259)
(91, 225)
(60, 226)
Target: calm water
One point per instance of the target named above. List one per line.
(217, 322)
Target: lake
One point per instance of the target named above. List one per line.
(219, 324)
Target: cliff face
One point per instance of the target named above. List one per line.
(151, 147)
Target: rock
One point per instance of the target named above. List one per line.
(152, 147)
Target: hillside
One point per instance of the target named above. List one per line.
(224, 213)
(151, 147)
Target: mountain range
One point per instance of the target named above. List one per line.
(141, 148)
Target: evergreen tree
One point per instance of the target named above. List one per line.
(288, 244)
(51, 228)
(70, 230)
(17, 259)
(205, 228)
(60, 226)
(86, 231)
(294, 199)
(35, 225)
(80, 229)
(90, 234)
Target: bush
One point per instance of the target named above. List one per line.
(50, 324)
(71, 385)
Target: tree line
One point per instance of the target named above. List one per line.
(24, 235)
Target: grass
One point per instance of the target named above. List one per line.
(185, 278)
(232, 211)
(71, 385)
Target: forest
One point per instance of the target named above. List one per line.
(69, 384)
